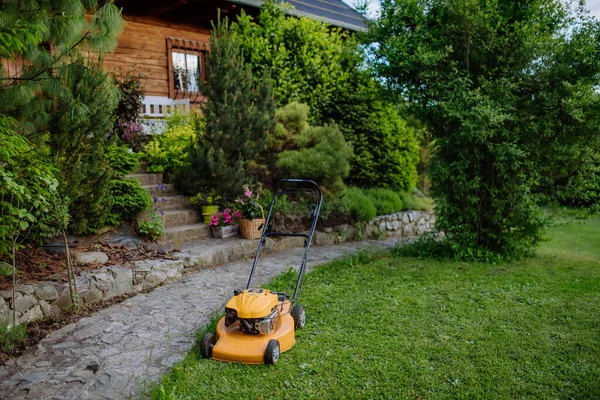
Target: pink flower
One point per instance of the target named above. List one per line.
(248, 193)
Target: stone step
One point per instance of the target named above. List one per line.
(185, 234)
(173, 218)
(161, 190)
(141, 169)
(147, 179)
(175, 202)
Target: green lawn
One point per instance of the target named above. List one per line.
(386, 327)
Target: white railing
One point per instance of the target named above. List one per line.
(161, 107)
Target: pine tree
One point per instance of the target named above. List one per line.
(239, 115)
(60, 101)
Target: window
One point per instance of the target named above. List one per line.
(186, 67)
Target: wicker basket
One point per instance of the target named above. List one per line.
(251, 228)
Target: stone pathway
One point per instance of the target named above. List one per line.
(113, 353)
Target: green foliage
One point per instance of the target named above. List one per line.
(386, 150)
(206, 198)
(239, 112)
(321, 154)
(122, 160)
(414, 201)
(501, 87)
(151, 229)
(359, 205)
(11, 336)
(170, 151)
(128, 199)
(302, 55)
(49, 36)
(127, 126)
(25, 187)
(386, 201)
(78, 122)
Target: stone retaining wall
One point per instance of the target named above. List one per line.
(45, 299)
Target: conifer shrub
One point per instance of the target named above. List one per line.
(386, 201)
(127, 196)
(239, 112)
(321, 154)
(359, 205)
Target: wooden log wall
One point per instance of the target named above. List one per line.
(143, 47)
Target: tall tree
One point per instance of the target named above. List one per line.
(481, 73)
(60, 101)
(239, 114)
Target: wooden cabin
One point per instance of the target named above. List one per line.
(166, 40)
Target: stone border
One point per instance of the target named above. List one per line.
(45, 299)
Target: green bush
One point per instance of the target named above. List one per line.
(386, 201)
(10, 337)
(151, 229)
(122, 160)
(128, 199)
(414, 202)
(170, 150)
(359, 205)
(302, 55)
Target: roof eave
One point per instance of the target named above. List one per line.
(296, 13)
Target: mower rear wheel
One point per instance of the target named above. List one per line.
(208, 342)
(272, 352)
(299, 315)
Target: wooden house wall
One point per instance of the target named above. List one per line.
(143, 47)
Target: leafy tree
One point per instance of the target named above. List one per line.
(302, 55)
(239, 113)
(482, 75)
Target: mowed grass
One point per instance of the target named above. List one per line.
(381, 327)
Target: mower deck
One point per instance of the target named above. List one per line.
(233, 345)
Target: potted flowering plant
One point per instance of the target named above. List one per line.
(225, 224)
(253, 215)
(207, 201)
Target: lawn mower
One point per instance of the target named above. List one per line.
(260, 324)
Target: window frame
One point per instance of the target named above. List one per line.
(187, 47)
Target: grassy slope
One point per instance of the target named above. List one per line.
(381, 327)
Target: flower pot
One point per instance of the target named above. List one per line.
(224, 232)
(208, 212)
(249, 228)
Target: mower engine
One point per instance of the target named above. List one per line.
(247, 306)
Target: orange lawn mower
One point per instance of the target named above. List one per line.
(260, 324)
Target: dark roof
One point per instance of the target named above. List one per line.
(333, 12)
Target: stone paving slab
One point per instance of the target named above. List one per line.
(113, 353)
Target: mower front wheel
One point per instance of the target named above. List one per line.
(272, 352)
(299, 315)
(208, 342)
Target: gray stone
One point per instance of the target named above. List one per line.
(64, 299)
(92, 295)
(27, 289)
(325, 239)
(91, 257)
(405, 218)
(394, 217)
(395, 225)
(46, 292)
(5, 294)
(3, 306)
(49, 310)
(122, 281)
(31, 314)
(388, 225)
(328, 230)
(24, 302)
(411, 216)
(382, 227)
(88, 329)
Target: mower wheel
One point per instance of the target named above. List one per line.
(299, 315)
(272, 352)
(208, 342)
